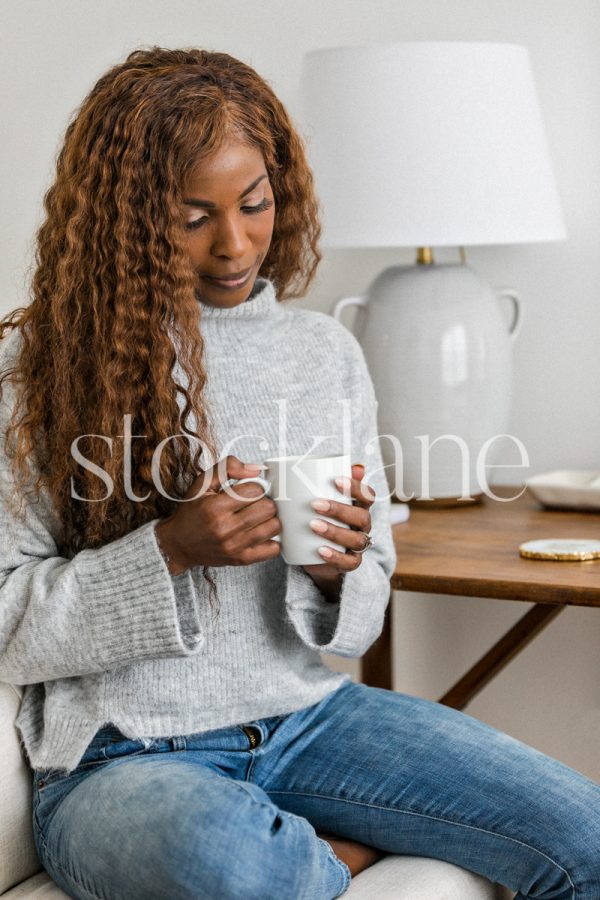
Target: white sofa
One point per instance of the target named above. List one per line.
(21, 875)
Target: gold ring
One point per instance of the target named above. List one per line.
(368, 543)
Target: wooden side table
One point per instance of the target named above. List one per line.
(472, 550)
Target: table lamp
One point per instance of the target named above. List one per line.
(429, 145)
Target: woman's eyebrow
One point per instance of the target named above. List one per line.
(207, 203)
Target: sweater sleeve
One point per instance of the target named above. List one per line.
(349, 626)
(101, 609)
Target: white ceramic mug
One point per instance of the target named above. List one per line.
(293, 482)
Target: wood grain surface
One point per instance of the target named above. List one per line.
(473, 550)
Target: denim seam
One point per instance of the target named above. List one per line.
(407, 812)
(341, 864)
(251, 766)
(58, 866)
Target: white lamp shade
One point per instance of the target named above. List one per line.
(428, 144)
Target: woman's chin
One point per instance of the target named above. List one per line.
(226, 299)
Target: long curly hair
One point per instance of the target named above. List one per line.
(113, 293)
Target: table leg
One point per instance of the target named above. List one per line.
(500, 654)
(376, 664)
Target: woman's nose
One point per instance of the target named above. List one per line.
(231, 239)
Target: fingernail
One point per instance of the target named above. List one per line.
(318, 525)
(320, 505)
(325, 551)
(362, 465)
(342, 482)
(253, 467)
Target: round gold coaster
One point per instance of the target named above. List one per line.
(561, 549)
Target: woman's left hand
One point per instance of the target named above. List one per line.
(357, 516)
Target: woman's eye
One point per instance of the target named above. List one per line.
(264, 204)
(247, 210)
(195, 223)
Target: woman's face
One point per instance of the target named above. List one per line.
(229, 212)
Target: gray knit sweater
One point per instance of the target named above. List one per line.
(111, 636)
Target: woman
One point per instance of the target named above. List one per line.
(185, 737)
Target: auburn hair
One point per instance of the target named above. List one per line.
(113, 302)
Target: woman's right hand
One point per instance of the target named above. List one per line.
(215, 528)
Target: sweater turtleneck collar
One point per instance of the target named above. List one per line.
(261, 303)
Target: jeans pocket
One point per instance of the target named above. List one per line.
(45, 778)
(50, 787)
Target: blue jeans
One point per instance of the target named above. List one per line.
(233, 812)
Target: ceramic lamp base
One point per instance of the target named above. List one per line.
(437, 345)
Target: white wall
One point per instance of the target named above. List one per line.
(51, 55)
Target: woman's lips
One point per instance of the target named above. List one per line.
(228, 285)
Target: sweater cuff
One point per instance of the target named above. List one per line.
(347, 627)
(138, 610)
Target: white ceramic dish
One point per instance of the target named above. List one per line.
(568, 488)
(399, 512)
